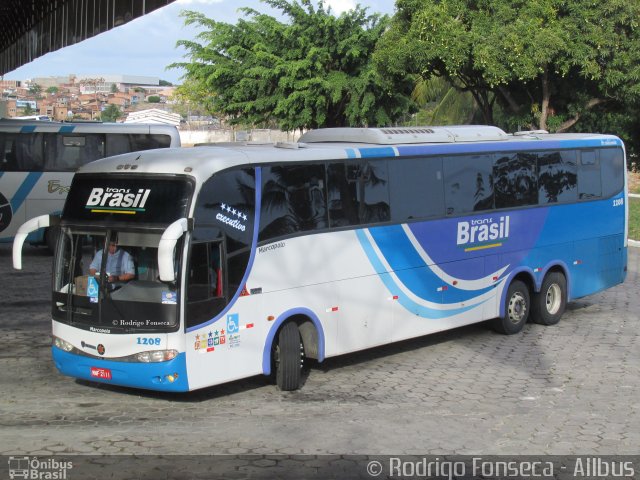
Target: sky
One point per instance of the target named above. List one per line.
(146, 45)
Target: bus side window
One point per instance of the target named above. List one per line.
(612, 165)
(68, 152)
(29, 152)
(7, 152)
(589, 182)
(117, 143)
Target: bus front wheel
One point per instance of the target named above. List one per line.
(516, 309)
(287, 357)
(548, 306)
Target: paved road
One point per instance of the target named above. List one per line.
(571, 388)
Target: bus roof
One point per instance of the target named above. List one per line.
(331, 144)
(12, 125)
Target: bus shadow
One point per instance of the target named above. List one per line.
(480, 338)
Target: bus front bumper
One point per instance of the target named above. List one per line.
(168, 376)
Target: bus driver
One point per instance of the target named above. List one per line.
(119, 267)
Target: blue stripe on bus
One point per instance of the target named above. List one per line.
(24, 190)
(412, 271)
(461, 148)
(377, 152)
(28, 129)
(66, 129)
(403, 299)
(351, 153)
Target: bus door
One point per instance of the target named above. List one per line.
(206, 286)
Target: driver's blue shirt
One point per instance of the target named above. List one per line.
(117, 264)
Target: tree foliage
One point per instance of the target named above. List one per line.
(111, 113)
(313, 71)
(544, 63)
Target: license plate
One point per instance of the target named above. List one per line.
(102, 373)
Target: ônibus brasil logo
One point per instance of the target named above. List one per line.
(483, 233)
(117, 200)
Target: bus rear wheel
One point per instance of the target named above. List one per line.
(288, 355)
(548, 306)
(516, 309)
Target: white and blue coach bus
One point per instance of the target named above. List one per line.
(38, 158)
(251, 258)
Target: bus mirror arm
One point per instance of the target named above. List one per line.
(25, 229)
(166, 248)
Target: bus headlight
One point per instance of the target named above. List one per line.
(62, 344)
(154, 356)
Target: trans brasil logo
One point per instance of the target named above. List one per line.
(482, 233)
(117, 200)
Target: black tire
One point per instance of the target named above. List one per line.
(548, 306)
(288, 358)
(516, 309)
(51, 238)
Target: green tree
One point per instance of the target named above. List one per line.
(153, 99)
(165, 83)
(52, 90)
(28, 110)
(111, 113)
(114, 88)
(192, 98)
(544, 63)
(314, 71)
(35, 90)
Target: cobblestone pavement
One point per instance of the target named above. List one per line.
(570, 388)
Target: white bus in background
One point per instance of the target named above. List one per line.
(38, 158)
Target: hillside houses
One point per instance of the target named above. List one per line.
(73, 97)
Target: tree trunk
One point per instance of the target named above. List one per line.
(546, 96)
(572, 121)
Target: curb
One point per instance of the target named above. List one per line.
(633, 243)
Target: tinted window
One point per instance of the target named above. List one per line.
(589, 185)
(558, 178)
(416, 188)
(226, 205)
(515, 180)
(118, 143)
(205, 293)
(293, 200)
(21, 152)
(126, 199)
(612, 165)
(69, 152)
(468, 183)
(358, 193)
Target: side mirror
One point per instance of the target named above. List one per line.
(25, 229)
(166, 249)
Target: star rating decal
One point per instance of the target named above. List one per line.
(232, 211)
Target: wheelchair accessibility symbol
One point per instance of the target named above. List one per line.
(233, 323)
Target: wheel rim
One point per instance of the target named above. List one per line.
(517, 308)
(554, 299)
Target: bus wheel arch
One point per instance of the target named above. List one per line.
(310, 332)
(516, 304)
(549, 303)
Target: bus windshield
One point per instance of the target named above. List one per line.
(108, 282)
